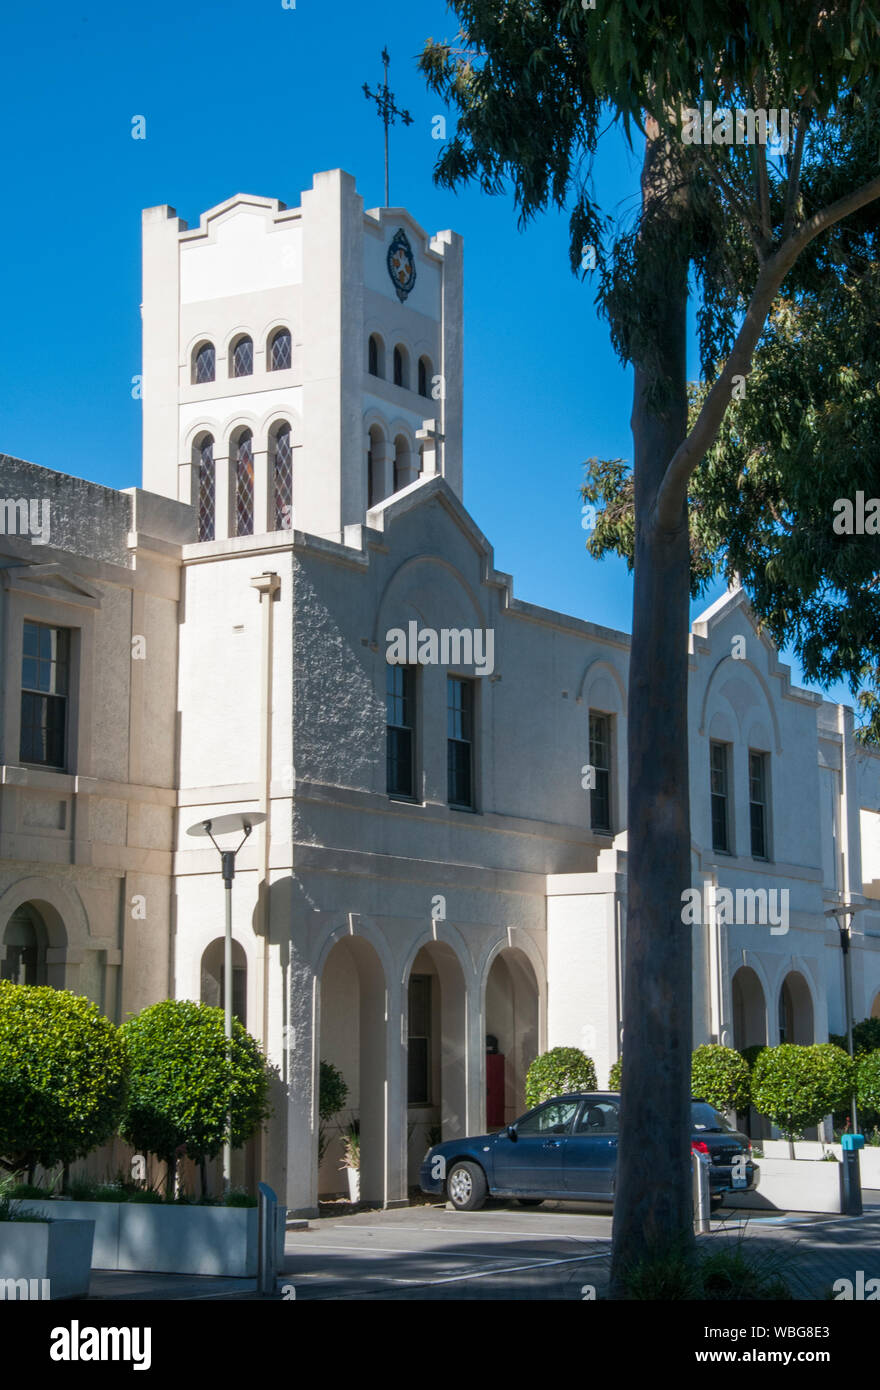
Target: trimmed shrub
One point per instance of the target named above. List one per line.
(868, 1081)
(555, 1072)
(63, 1077)
(186, 1079)
(797, 1086)
(614, 1074)
(720, 1076)
(866, 1037)
(332, 1095)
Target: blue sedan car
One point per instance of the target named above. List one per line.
(566, 1149)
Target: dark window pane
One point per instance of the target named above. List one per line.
(423, 377)
(419, 1041)
(283, 474)
(758, 804)
(207, 491)
(204, 365)
(718, 777)
(400, 719)
(459, 729)
(373, 357)
(244, 488)
(600, 760)
(280, 356)
(243, 358)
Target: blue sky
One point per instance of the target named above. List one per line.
(253, 97)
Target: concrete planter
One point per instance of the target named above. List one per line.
(869, 1157)
(57, 1252)
(797, 1184)
(170, 1239)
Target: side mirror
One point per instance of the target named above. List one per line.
(511, 1132)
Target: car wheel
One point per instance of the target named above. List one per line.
(466, 1186)
(530, 1201)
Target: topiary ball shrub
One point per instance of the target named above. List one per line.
(720, 1076)
(63, 1076)
(615, 1073)
(187, 1078)
(560, 1070)
(797, 1086)
(868, 1087)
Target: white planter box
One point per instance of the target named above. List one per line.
(793, 1184)
(354, 1184)
(169, 1239)
(869, 1157)
(57, 1251)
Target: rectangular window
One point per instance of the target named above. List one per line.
(459, 745)
(400, 719)
(419, 1041)
(45, 675)
(600, 761)
(719, 782)
(758, 803)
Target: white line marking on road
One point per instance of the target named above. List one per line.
(389, 1250)
(510, 1269)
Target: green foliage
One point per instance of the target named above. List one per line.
(332, 1095)
(558, 1071)
(796, 1086)
(719, 1270)
(866, 1037)
(720, 1076)
(186, 1079)
(751, 1054)
(332, 1091)
(63, 1076)
(868, 1082)
(615, 1073)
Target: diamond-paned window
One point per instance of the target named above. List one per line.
(283, 470)
(207, 490)
(204, 365)
(244, 487)
(243, 358)
(280, 356)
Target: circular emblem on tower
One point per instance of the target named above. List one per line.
(401, 264)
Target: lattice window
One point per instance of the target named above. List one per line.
(283, 472)
(244, 487)
(243, 358)
(207, 491)
(204, 365)
(280, 355)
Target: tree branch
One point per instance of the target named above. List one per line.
(667, 507)
(743, 212)
(794, 173)
(761, 168)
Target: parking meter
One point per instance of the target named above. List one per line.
(852, 1182)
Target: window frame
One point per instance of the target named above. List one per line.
(36, 693)
(240, 340)
(205, 345)
(273, 339)
(466, 682)
(410, 676)
(425, 980)
(764, 804)
(727, 847)
(607, 771)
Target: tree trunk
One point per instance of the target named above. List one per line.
(653, 1212)
(203, 1174)
(171, 1174)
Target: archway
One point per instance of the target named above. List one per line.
(353, 1038)
(512, 1023)
(213, 978)
(749, 1030)
(795, 1010)
(436, 1051)
(24, 942)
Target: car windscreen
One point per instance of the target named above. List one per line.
(705, 1118)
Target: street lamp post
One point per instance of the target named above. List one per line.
(844, 912)
(227, 825)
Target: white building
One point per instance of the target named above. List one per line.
(444, 852)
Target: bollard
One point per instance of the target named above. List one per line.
(852, 1181)
(702, 1204)
(267, 1244)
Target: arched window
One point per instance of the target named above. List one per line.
(375, 467)
(244, 485)
(282, 469)
(213, 981)
(203, 364)
(402, 463)
(424, 376)
(401, 367)
(24, 941)
(242, 358)
(280, 353)
(375, 356)
(207, 488)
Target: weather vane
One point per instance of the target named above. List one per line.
(387, 110)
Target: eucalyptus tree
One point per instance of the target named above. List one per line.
(726, 215)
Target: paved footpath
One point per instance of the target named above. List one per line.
(558, 1251)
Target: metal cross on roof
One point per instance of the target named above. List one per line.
(388, 111)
